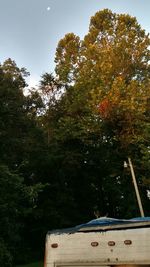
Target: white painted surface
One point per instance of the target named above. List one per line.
(75, 249)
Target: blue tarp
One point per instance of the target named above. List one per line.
(104, 221)
(101, 222)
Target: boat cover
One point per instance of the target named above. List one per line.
(103, 221)
(105, 224)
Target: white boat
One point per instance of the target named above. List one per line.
(101, 242)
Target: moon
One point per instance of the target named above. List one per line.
(48, 8)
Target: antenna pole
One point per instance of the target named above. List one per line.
(136, 188)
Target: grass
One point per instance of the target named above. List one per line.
(34, 264)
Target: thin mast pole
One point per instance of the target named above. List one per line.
(136, 188)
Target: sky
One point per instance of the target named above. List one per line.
(31, 29)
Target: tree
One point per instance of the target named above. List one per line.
(12, 112)
(15, 204)
(67, 57)
(108, 71)
(22, 149)
(112, 63)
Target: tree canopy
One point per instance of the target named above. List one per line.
(111, 64)
(107, 81)
(62, 147)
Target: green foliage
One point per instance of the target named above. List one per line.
(20, 132)
(62, 147)
(106, 104)
(112, 65)
(67, 56)
(12, 114)
(13, 205)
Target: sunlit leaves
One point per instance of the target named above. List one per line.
(67, 56)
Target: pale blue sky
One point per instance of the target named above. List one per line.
(29, 33)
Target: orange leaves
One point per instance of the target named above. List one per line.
(105, 108)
